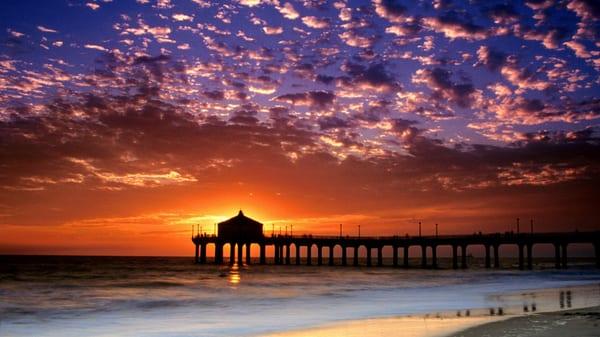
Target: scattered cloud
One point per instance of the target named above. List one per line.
(288, 11)
(454, 28)
(46, 30)
(273, 30)
(92, 5)
(315, 22)
(317, 99)
(182, 17)
(95, 46)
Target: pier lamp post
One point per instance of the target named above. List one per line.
(340, 230)
(419, 228)
(359, 231)
(436, 230)
(517, 225)
(531, 225)
(285, 230)
(291, 230)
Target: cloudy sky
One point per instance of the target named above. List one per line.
(122, 123)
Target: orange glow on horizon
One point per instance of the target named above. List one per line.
(160, 222)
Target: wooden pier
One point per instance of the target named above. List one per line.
(242, 232)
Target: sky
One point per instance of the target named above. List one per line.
(125, 123)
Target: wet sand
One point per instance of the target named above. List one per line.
(571, 323)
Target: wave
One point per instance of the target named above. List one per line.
(149, 284)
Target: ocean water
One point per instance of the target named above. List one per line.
(132, 296)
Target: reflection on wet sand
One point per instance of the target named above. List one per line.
(498, 312)
(546, 300)
(549, 300)
(563, 295)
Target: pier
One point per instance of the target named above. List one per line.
(241, 232)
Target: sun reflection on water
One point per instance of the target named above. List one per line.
(234, 275)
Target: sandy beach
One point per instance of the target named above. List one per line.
(578, 322)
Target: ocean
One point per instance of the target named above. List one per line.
(153, 296)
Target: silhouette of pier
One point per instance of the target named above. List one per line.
(241, 232)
